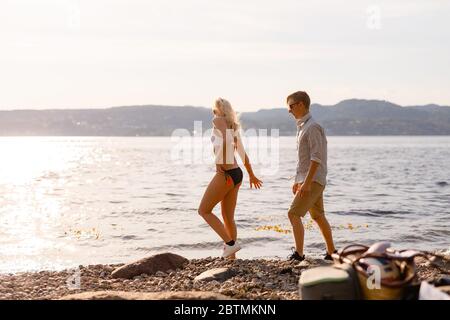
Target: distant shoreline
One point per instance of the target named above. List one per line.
(169, 136)
(353, 117)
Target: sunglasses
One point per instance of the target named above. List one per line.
(292, 105)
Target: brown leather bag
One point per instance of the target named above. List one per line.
(405, 287)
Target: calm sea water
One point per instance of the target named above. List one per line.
(67, 201)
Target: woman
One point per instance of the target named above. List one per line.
(224, 186)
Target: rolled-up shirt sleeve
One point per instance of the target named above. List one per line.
(316, 144)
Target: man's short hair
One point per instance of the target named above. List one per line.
(300, 96)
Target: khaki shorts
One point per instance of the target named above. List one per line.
(313, 202)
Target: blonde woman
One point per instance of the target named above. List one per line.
(224, 186)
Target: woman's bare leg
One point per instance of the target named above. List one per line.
(215, 192)
(228, 207)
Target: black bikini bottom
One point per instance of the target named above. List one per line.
(235, 174)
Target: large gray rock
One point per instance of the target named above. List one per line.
(217, 274)
(160, 262)
(123, 295)
(445, 289)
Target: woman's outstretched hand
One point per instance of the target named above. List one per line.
(255, 182)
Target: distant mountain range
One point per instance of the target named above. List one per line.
(348, 117)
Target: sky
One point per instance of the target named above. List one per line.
(103, 53)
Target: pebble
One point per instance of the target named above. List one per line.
(254, 279)
(160, 274)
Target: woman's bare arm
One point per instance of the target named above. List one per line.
(254, 181)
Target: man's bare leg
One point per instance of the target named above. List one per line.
(325, 228)
(299, 232)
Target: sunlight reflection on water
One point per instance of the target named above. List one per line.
(66, 201)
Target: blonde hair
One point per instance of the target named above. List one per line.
(230, 115)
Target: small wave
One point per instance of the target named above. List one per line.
(412, 238)
(117, 201)
(111, 179)
(132, 213)
(317, 245)
(128, 237)
(204, 245)
(372, 213)
(246, 241)
(442, 183)
(437, 233)
(384, 212)
(48, 175)
(174, 194)
(207, 245)
(121, 212)
(245, 220)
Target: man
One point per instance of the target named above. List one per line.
(311, 175)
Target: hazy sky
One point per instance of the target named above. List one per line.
(102, 53)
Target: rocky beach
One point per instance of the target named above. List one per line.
(209, 278)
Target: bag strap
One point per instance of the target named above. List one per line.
(342, 256)
(427, 255)
(410, 258)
